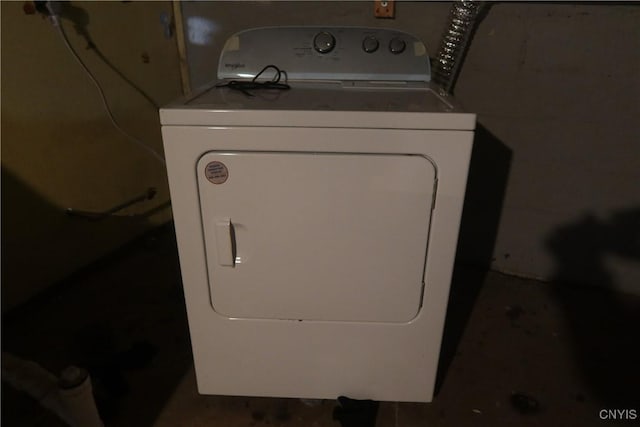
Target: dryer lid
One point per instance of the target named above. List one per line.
(407, 106)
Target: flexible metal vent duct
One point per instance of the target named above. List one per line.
(462, 19)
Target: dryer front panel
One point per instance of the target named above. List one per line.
(316, 236)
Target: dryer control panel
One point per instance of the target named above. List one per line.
(326, 53)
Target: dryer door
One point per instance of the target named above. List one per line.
(308, 236)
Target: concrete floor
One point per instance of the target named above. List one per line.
(516, 352)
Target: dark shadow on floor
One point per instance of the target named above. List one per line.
(486, 187)
(124, 320)
(604, 322)
(42, 244)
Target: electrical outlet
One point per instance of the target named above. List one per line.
(384, 9)
(29, 8)
(48, 7)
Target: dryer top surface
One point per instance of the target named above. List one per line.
(412, 105)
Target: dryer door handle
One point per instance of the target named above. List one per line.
(225, 242)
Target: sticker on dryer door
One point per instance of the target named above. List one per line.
(216, 172)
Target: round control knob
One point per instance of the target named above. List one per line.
(397, 45)
(370, 44)
(324, 42)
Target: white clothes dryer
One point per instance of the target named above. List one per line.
(317, 226)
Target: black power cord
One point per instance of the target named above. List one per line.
(246, 86)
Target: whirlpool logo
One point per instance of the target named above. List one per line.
(234, 66)
(618, 414)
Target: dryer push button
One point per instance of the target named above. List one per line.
(397, 45)
(370, 44)
(324, 42)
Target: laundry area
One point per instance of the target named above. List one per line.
(357, 214)
(519, 359)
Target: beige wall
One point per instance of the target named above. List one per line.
(556, 89)
(59, 150)
(556, 84)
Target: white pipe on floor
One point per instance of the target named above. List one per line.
(70, 397)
